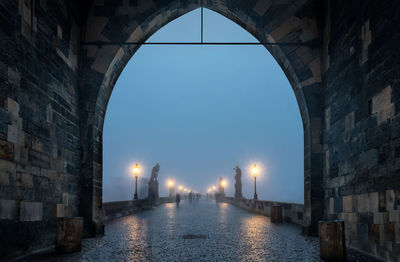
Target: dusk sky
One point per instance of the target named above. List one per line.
(201, 110)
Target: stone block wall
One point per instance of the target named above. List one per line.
(362, 123)
(292, 213)
(39, 124)
(54, 92)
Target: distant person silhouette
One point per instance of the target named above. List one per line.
(190, 197)
(177, 199)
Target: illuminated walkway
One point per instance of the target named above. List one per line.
(205, 231)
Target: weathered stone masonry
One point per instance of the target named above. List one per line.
(54, 92)
(39, 122)
(362, 123)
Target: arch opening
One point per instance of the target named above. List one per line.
(104, 65)
(206, 109)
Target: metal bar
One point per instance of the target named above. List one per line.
(202, 21)
(101, 43)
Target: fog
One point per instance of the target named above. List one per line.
(199, 111)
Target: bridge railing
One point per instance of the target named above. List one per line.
(112, 210)
(291, 212)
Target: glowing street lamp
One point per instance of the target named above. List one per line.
(254, 172)
(222, 184)
(171, 187)
(136, 171)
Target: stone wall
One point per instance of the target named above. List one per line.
(54, 91)
(292, 213)
(362, 123)
(39, 121)
(112, 210)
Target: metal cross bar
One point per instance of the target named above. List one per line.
(104, 43)
(201, 22)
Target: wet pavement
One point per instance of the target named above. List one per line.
(202, 231)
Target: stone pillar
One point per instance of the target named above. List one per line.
(69, 234)
(276, 214)
(332, 240)
(99, 227)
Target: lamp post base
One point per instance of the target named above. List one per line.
(135, 197)
(255, 197)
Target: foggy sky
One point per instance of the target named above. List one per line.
(201, 110)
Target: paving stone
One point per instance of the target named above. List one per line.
(204, 231)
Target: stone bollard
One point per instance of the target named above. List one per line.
(99, 228)
(276, 214)
(332, 245)
(69, 234)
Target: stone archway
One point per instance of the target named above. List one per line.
(120, 21)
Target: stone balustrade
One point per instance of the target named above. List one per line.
(112, 210)
(290, 212)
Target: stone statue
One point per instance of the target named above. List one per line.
(238, 182)
(153, 183)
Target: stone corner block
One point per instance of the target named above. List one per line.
(332, 240)
(276, 214)
(69, 234)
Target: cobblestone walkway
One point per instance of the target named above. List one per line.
(204, 231)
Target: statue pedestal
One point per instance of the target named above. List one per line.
(153, 190)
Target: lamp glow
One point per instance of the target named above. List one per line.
(171, 187)
(255, 170)
(136, 170)
(223, 183)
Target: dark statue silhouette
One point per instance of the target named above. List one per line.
(153, 183)
(238, 182)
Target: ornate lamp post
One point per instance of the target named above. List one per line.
(136, 171)
(254, 171)
(171, 187)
